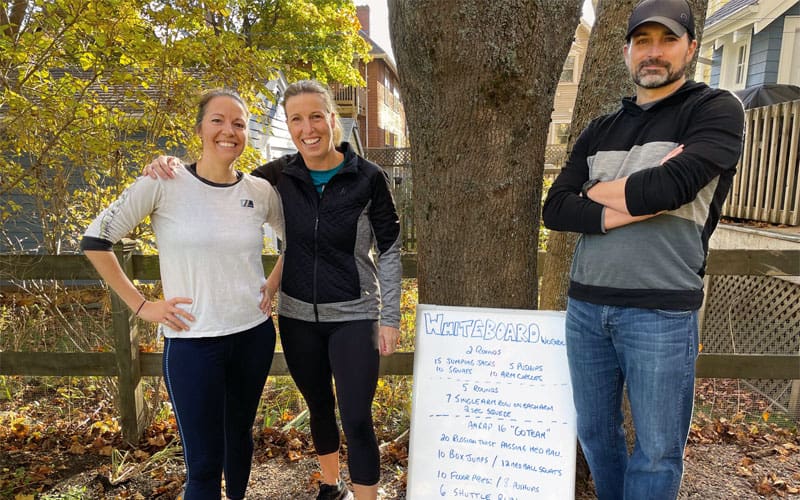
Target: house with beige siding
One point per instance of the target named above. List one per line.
(567, 89)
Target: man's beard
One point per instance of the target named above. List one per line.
(657, 79)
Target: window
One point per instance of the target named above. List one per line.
(741, 65)
(387, 89)
(568, 71)
(735, 61)
(560, 133)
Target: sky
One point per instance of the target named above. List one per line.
(379, 21)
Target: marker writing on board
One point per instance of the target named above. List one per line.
(491, 394)
(486, 329)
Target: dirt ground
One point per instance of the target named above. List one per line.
(713, 471)
(51, 449)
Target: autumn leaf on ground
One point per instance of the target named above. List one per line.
(395, 452)
(314, 479)
(99, 443)
(76, 449)
(19, 428)
(158, 440)
(41, 472)
(764, 487)
(107, 426)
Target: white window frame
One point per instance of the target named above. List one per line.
(741, 66)
(574, 60)
(791, 30)
(731, 63)
(554, 136)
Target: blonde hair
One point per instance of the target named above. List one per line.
(315, 87)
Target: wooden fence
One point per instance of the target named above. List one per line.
(765, 187)
(130, 365)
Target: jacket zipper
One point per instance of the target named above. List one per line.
(316, 245)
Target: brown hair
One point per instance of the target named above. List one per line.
(315, 87)
(202, 106)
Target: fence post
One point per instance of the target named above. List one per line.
(794, 399)
(126, 345)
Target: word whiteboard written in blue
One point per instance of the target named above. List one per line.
(492, 413)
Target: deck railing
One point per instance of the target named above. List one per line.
(351, 101)
(765, 187)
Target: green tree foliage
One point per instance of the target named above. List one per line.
(90, 90)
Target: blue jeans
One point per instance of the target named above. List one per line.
(215, 385)
(653, 352)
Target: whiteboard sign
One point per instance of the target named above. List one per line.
(492, 414)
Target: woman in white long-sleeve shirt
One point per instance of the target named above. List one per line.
(215, 317)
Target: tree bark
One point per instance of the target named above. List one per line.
(478, 80)
(604, 81)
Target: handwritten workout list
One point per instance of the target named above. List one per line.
(492, 412)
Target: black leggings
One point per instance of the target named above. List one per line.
(215, 386)
(348, 351)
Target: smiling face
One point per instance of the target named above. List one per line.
(223, 129)
(311, 125)
(657, 58)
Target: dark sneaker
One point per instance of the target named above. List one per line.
(336, 491)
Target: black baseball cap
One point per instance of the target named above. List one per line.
(676, 15)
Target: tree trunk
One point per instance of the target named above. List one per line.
(604, 81)
(478, 80)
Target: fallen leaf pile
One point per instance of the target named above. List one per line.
(757, 442)
(49, 434)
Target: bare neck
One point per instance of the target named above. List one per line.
(221, 173)
(328, 162)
